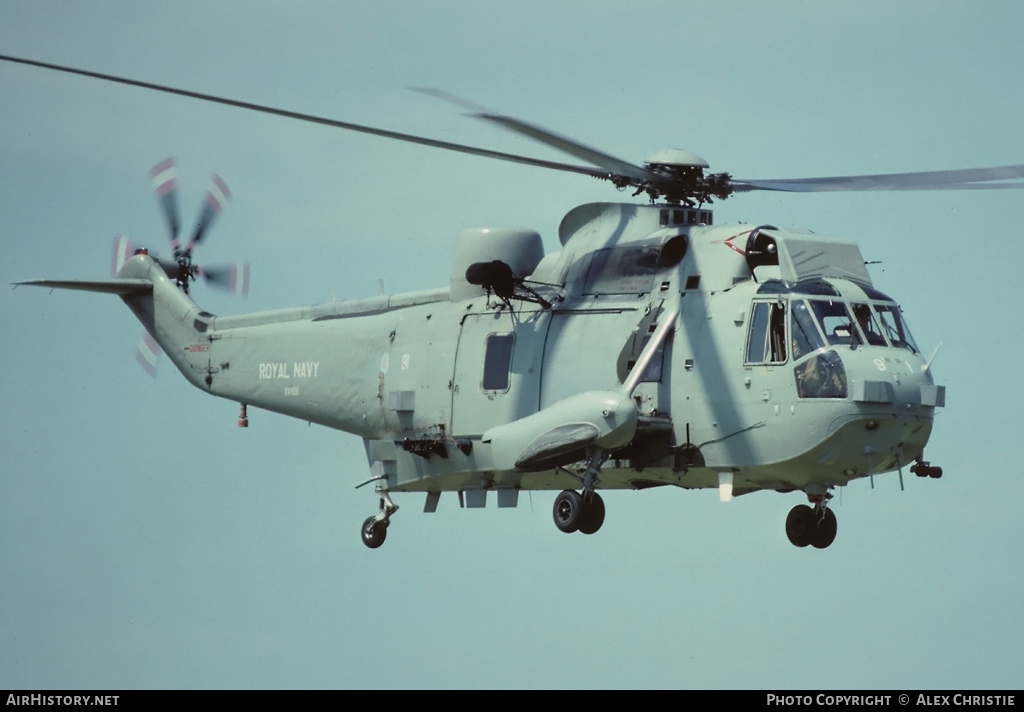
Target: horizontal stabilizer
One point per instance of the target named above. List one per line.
(124, 287)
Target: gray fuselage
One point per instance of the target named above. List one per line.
(785, 376)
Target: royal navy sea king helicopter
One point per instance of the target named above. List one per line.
(656, 348)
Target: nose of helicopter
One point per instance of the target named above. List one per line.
(893, 398)
(895, 378)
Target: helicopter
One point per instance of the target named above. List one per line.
(655, 349)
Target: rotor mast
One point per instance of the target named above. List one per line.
(684, 179)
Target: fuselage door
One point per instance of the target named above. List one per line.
(497, 370)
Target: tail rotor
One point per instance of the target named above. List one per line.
(229, 277)
(232, 278)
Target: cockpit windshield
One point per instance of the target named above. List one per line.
(846, 324)
(895, 328)
(836, 322)
(868, 324)
(805, 335)
(817, 321)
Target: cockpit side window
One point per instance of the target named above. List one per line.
(767, 339)
(895, 327)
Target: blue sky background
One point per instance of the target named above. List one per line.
(146, 541)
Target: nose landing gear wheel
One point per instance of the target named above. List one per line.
(374, 532)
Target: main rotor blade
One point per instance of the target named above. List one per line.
(603, 160)
(409, 138)
(964, 179)
(549, 138)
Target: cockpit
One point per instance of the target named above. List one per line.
(804, 323)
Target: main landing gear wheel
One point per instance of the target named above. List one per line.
(374, 532)
(575, 512)
(593, 514)
(800, 525)
(568, 511)
(811, 526)
(924, 469)
(825, 531)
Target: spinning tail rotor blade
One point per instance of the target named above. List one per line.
(216, 197)
(165, 185)
(123, 249)
(232, 278)
(147, 353)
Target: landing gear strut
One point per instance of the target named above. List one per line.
(815, 526)
(582, 511)
(375, 528)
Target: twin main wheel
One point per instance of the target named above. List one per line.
(805, 525)
(576, 512)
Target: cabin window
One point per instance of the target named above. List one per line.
(767, 339)
(498, 361)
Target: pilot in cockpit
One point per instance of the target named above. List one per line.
(868, 325)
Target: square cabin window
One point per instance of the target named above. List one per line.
(498, 361)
